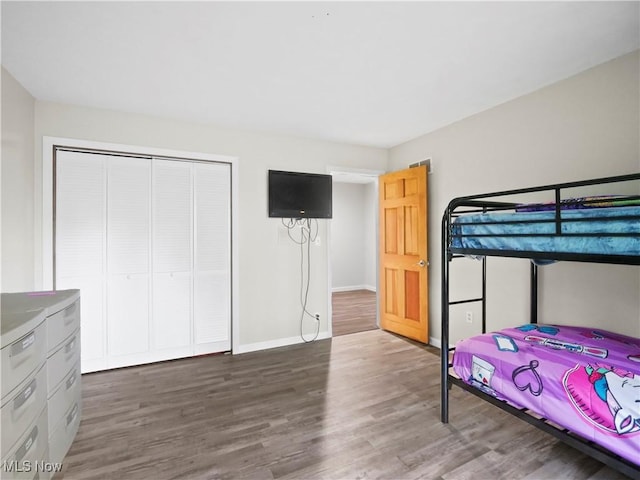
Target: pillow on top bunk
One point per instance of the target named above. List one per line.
(597, 201)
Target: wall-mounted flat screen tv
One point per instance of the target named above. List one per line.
(299, 195)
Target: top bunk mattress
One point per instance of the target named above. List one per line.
(597, 231)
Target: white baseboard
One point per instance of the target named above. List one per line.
(435, 342)
(153, 356)
(280, 342)
(351, 288)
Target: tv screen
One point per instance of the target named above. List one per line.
(299, 195)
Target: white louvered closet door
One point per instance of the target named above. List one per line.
(148, 244)
(80, 245)
(128, 250)
(212, 259)
(172, 254)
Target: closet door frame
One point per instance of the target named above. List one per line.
(44, 273)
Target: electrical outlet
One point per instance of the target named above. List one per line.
(469, 316)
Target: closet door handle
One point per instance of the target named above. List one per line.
(422, 263)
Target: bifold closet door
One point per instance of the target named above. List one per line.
(102, 245)
(80, 245)
(212, 259)
(172, 254)
(128, 251)
(191, 256)
(148, 243)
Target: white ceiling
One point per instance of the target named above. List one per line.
(368, 73)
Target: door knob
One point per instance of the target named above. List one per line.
(422, 263)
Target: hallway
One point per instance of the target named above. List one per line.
(353, 311)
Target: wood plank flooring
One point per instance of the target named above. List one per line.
(353, 311)
(357, 406)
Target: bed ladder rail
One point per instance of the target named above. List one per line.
(445, 348)
(482, 299)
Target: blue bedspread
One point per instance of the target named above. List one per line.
(468, 231)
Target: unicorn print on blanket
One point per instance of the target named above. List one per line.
(615, 407)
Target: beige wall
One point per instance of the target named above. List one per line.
(269, 268)
(17, 185)
(586, 126)
(353, 236)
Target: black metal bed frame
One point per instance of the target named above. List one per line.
(485, 203)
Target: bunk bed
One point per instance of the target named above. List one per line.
(581, 385)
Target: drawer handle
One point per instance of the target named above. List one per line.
(25, 395)
(69, 313)
(27, 445)
(72, 416)
(23, 344)
(72, 380)
(70, 346)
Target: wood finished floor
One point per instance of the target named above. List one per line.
(357, 406)
(353, 311)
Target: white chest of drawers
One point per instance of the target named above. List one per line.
(41, 395)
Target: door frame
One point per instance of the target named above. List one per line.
(358, 173)
(44, 270)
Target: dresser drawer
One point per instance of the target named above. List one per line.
(21, 408)
(28, 450)
(64, 432)
(22, 357)
(62, 324)
(40, 470)
(62, 361)
(67, 393)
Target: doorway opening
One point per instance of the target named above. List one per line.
(353, 251)
(353, 311)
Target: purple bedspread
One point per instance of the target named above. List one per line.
(587, 380)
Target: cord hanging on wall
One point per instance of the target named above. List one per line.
(308, 233)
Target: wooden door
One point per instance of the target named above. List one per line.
(404, 294)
